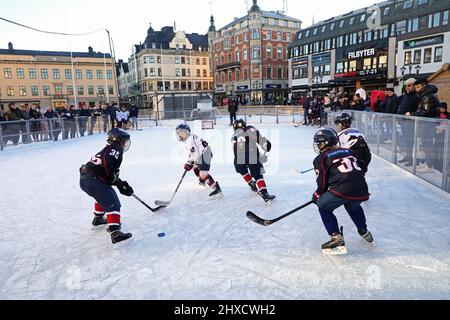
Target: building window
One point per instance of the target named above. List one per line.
(68, 73)
(438, 54)
(79, 74)
(256, 33)
(99, 74)
(34, 91)
(408, 57)
(109, 74)
(44, 74)
(288, 37)
(152, 72)
(256, 53)
(269, 73)
(245, 74)
(386, 11)
(315, 31)
(177, 72)
(91, 90)
(363, 18)
(245, 54)
(111, 89)
(280, 73)
(46, 90)
(56, 74)
(32, 73)
(205, 73)
(367, 64)
(422, 2)
(58, 89)
(413, 25)
(428, 53)
(80, 90)
(22, 91)
(8, 73)
(198, 73)
(159, 72)
(434, 20)
(352, 20)
(268, 52)
(89, 74)
(401, 27)
(408, 4)
(382, 62)
(445, 18)
(70, 90)
(269, 35)
(238, 75)
(101, 89)
(10, 91)
(418, 57)
(279, 53)
(177, 60)
(280, 36)
(20, 73)
(342, 24)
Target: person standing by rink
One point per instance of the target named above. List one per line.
(97, 178)
(340, 182)
(200, 157)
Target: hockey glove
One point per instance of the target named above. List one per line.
(189, 166)
(124, 188)
(316, 197)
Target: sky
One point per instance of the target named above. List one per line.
(128, 21)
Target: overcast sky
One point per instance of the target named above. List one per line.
(129, 20)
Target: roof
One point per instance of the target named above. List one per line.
(54, 53)
(265, 14)
(165, 36)
(445, 67)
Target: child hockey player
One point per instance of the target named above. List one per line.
(340, 182)
(353, 139)
(99, 176)
(248, 159)
(200, 157)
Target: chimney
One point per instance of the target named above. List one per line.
(10, 46)
(90, 49)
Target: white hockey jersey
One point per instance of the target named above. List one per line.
(349, 138)
(196, 148)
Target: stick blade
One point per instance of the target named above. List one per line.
(162, 203)
(258, 220)
(158, 208)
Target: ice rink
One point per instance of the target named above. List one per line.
(211, 250)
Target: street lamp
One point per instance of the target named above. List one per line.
(418, 68)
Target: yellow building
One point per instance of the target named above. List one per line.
(51, 78)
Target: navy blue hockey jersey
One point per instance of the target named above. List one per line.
(105, 165)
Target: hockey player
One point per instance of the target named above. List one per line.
(340, 182)
(248, 159)
(99, 176)
(200, 157)
(353, 139)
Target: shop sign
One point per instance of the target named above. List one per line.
(273, 86)
(319, 59)
(417, 43)
(242, 87)
(362, 53)
(351, 74)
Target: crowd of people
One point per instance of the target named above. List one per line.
(27, 123)
(419, 99)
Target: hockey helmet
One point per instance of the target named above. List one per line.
(240, 124)
(183, 132)
(325, 139)
(344, 121)
(119, 137)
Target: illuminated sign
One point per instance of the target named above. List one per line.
(361, 53)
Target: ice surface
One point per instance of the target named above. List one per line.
(211, 250)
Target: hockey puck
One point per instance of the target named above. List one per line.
(161, 235)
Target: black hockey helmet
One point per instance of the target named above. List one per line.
(325, 139)
(183, 132)
(344, 120)
(119, 137)
(240, 124)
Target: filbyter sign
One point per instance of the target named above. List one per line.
(361, 53)
(424, 42)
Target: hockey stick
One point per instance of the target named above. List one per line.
(147, 206)
(267, 223)
(167, 203)
(303, 172)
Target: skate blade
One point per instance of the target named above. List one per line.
(217, 197)
(339, 251)
(97, 228)
(123, 244)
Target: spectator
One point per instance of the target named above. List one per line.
(105, 117)
(408, 106)
(14, 129)
(307, 107)
(71, 123)
(428, 108)
(35, 122)
(62, 112)
(440, 137)
(96, 114)
(54, 123)
(443, 111)
(233, 108)
(357, 103)
(85, 114)
(134, 115)
(122, 118)
(391, 102)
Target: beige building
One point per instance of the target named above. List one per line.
(56, 78)
(172, 63)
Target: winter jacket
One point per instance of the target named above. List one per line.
(134, 112)
(429, 102)
(51, 115)
(390, 104)
(85, 113)
(409, 103)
